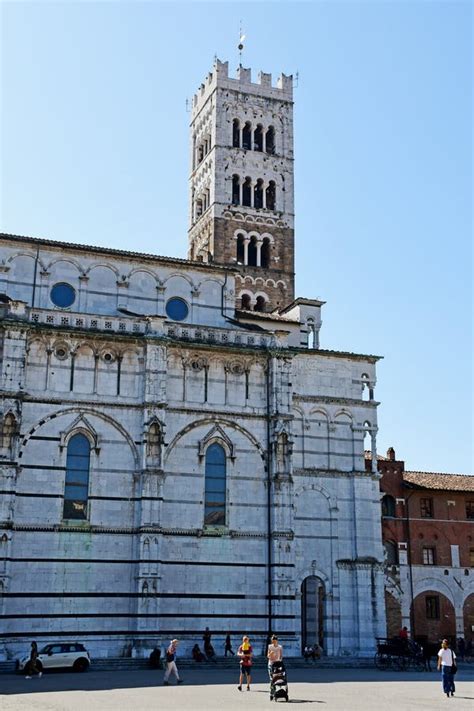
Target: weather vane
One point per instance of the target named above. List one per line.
(240, 46)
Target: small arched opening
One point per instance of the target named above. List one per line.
(247, 136)
(270, 140)
(252, 253)
(245, 302)
(247, 192)
(265, 253)
(258, 194)
(236, 133)
(258, 138)
(235, 190)
(270, 196)
(240, 250)
(260, 304)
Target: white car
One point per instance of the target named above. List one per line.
(58, 656)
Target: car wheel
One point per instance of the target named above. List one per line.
(80, 665)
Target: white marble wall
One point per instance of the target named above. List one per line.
(143, 567)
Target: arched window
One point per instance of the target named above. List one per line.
(258, 194)
(270, 196)
(391, 553)
(388, 506)
(247, 136)
(247, 192)
(76, 491)
(252, 253)
(236, 133)
(270, 140)
(245, 302)
(240, 250)
(214, 500)
(258, 138)
(260, 304)
(235, 190)
(265, 253)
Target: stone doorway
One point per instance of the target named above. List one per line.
(312, 612)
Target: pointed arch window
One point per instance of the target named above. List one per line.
(215, 489)
(76, 491)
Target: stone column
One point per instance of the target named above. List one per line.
(259, 254)
(246, 249)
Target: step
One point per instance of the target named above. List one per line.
(137, 664)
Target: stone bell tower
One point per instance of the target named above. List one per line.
(241, 183)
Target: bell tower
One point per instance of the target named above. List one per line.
(241, 183)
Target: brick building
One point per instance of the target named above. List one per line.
(428, 536)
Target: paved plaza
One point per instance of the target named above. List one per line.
(216, 690)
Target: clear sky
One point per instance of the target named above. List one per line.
(94, 141)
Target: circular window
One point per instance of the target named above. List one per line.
(177, 309)
(108, 357)
(63, 295)
(61, 353)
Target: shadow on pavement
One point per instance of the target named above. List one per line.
(108, 680)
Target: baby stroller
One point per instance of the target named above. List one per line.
(278, 682)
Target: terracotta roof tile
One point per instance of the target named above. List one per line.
(440, 481)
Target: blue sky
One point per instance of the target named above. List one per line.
(94, 141)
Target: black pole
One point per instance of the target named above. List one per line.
(34, 278)
(269, 502)
(412, 605)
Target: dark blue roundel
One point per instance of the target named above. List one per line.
(177, 309)
(63, 295)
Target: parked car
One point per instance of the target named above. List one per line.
(57, 656)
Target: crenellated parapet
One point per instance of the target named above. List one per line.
(283, 89)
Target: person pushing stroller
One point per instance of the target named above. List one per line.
(277, 671)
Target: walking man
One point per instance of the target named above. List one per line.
(447, 664)
(171, 667)
(245, 652)
(228, 646)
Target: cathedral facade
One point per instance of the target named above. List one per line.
(177, 450)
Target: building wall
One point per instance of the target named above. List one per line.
(451, 578)
(143, 566)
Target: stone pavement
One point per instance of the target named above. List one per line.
(216, 690)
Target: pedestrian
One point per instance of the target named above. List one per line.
(228, 646)
(461, 648)
(245, 652)
(208, 648)
(198, 656)
(403, 634)
(447, 664)
(171, 667)
(32, 663)
(274, 654)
